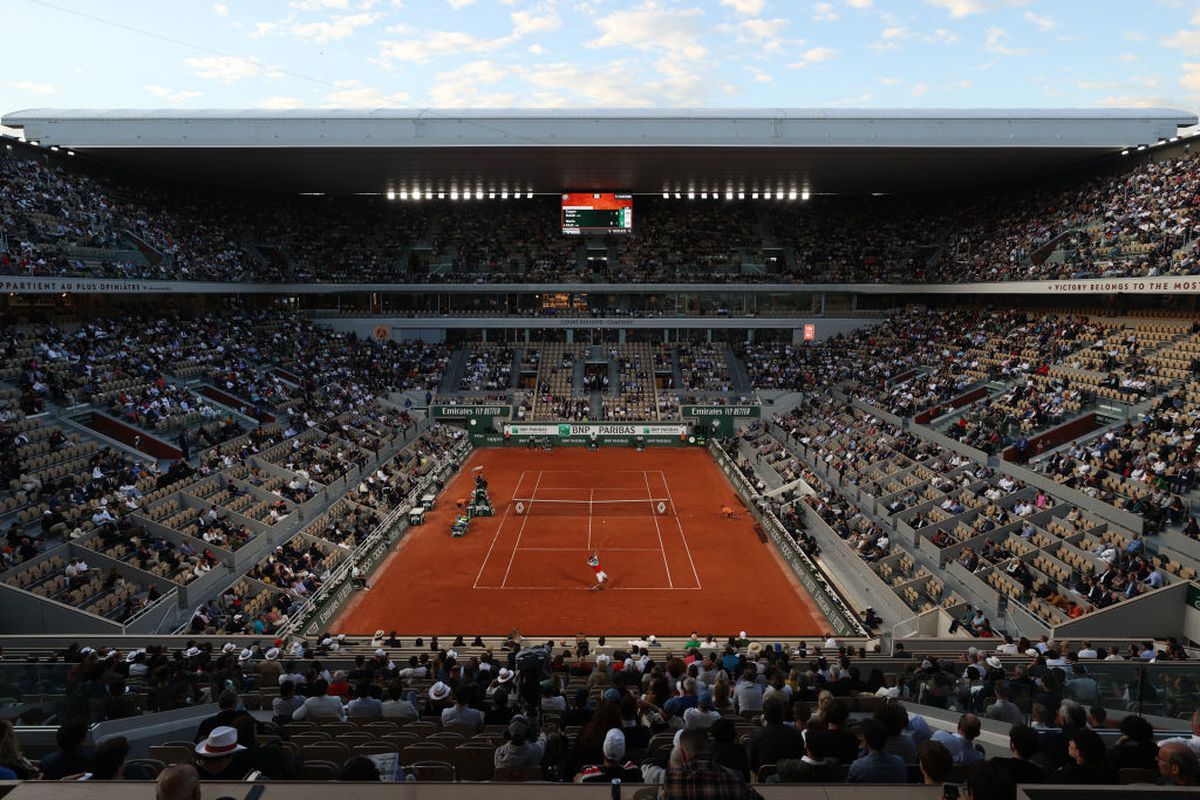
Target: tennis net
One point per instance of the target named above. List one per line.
(651, 506)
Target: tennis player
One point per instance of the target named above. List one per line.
(601, 575)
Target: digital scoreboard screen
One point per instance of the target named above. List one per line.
(597, 212)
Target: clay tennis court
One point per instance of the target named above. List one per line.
(654, 519)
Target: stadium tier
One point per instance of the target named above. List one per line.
(492, 493)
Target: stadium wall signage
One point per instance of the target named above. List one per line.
(600, 429)
(1165, 285)
(455, 412)
(741, 412)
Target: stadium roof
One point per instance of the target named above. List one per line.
(833, 151)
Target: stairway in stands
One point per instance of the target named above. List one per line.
(738, 377)
(454, 371)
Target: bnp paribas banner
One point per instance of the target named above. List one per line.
(599, 429)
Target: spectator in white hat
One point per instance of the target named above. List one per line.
(615, 766)
(216, 756)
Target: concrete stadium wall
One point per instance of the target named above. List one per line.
(1157, 615)
(26, 613)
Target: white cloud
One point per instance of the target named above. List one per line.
(221, 9)
(963, 84)
(459, 88)
(653, 27)
(1127, 58)
(1190, 79)
(995, 43)
(318, 5)
(678, 83)
(889, 81)
(940, 36)
(536, 49)
(535, 21)
(762, 33)
(894, 32)
(226, 69)
(824, 12)
(170, 95)
(919, 89)
(280, 103)
(815, 55)
(353, 94)
(760, 76)
(438, 43)
(1187, 41)
(965, 8)
(458, 4)
(444, 43)
(860, 3)
(35, 88)
(1141, 101)
(748, 7)
(338, 27)
(1042, 23)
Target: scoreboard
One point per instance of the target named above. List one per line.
(596, 212)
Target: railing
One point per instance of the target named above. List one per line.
(824, 594)
(327, 600)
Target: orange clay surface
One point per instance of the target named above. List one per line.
(669, 573)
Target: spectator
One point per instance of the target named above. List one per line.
(360, 769)
(177, 782)
(935, 762)
(877, 766)
(615, 767)
(11, 756)
(1023, 744)
(364, 705)
(961, 742)
(1003, 708)
(460, 713)
(694, 775)
(989, 782)
(320, 704)
(218, 758)
(1176, 765)
(108, 761)
(1136, 748)
(523, 747)
(1087, 761)
(774, 741)
(72, 756)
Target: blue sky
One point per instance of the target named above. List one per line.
(617, 53)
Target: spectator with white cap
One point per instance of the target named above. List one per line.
(615, 766)
(503, 677)
(269, 669)
(439, 698)
(216, 756)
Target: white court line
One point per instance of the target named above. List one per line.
(588, 588)
(524, 519)
(675, 509)
(658, 530)
(589, 545)
(499, 528)
(588, 549)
